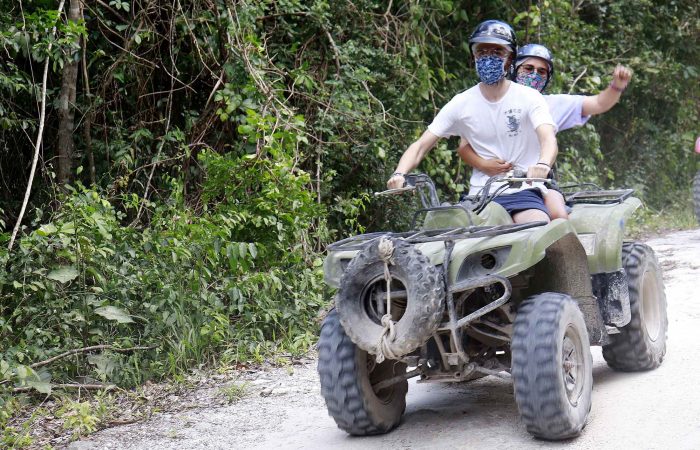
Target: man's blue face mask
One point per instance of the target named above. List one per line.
(490, 68)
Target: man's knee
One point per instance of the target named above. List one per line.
(554, 201)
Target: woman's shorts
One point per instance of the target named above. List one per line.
(521, 201)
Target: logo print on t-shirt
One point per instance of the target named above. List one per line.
(513, 121)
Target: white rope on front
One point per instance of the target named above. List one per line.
(384, 349)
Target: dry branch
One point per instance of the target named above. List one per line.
(576, 80)
(89, 349)
(40, 136)
(90, 387)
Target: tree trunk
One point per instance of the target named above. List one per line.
(66, 103)
(87, 128)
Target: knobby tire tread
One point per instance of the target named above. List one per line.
(631, 350)
(537, 379)
(347, 400)
(424, 283)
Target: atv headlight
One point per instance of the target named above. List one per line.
(483, 263)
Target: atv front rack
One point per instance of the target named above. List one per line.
(443, 234)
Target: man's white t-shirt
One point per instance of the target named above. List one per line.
(504, 129)
(567, 110)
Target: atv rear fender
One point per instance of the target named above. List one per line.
(601, 229)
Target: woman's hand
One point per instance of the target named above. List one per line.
(492, 167)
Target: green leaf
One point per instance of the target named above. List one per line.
(42, 386)
(63, 274)
(46, 230)
(104, 365)
(114, 313)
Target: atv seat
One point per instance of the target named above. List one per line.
(460, 215)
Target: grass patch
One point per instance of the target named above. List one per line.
(234, 392)
(649, 222)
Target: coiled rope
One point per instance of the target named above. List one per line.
(384, 350)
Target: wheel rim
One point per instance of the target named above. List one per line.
(380, 372)
(374, 299)
(573, 372)
(651, 310)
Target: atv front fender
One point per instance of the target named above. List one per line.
(513, 252)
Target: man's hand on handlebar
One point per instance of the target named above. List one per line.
(538, 171)
(396, 181)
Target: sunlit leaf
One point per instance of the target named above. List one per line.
(46, 230)
(63, 274)
(114, 313)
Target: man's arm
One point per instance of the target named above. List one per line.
(490, 167)
(410, 159)
(548, 152)
(606, 99)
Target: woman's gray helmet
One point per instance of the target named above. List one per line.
(535, 51)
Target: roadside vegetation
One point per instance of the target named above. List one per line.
(197, 157)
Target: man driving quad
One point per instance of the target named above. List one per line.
(501, 119)
(534, 67)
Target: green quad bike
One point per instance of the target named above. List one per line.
(468, 293)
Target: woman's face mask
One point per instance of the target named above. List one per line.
(533, 80)
(490, 68)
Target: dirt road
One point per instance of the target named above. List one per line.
(657, 409)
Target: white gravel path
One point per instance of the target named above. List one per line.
(650, 410)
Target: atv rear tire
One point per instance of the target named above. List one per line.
(641, 344)
(552, 366)
(696, 195)
(347, 374)
(361, 299)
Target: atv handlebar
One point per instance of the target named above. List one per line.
(420, 182)
(520, 176)
(395, 191)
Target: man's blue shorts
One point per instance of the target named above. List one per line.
(522, 200)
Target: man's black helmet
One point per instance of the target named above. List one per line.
(494, 32)
(536, 51)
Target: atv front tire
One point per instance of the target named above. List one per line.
(641, 344)
(347, 374)
(552, 366)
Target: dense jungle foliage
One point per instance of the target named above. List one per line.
(198, 155)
